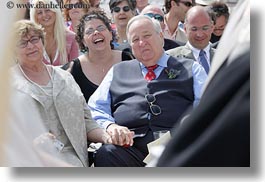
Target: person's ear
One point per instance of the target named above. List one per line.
(161, 35)
(173, 3)
(185, 28)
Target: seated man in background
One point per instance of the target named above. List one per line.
(147, 94)
(198, 27)
(155, 11)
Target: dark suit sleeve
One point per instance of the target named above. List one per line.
(217, 132)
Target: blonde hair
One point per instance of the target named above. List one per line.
(59, 27)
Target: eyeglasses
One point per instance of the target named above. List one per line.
(155, 109)
(188, 4)
(100, 28)
(118, 9)
(24, 43)
(155, 16)
(204, 28)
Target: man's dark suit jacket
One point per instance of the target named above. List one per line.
(186, 52)
(217, 132)
(170, 44)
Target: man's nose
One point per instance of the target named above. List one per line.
(142, 42)
(199, 33)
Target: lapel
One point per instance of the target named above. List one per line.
(74, 113)
(212, 52)
(58, 82)
(187, 52)
(181, 52)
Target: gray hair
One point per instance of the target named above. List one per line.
(154, 22)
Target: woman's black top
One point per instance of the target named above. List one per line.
(87, 87)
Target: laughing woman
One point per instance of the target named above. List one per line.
(95, 36)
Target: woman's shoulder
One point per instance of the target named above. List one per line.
(69, 66)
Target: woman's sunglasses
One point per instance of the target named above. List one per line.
(118, 9)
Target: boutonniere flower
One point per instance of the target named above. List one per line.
(172, 73)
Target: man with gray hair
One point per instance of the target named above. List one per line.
(144, 95)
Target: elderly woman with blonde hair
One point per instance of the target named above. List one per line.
(61, 46)
(55, 96)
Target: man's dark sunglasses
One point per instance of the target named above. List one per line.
(188, 4)
(155, 16)
(220, 9)
(155, 109)
(118, 9)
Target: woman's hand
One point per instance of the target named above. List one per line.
(120, 135)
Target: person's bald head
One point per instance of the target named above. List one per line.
(154, 9)
(198, 27)
(196, 12)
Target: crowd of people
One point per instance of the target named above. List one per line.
(91, 77)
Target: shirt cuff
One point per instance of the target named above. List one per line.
(104, 123)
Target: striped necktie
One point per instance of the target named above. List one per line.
(203, 61)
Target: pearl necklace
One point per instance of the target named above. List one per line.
(40, 87)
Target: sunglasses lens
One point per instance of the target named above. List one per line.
(159, 18)
(116, 9)
(126, 8)
(155, 109)
(155, 16)
(150, 98)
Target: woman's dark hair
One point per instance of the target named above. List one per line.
(95, 14)
(217, 9)
(114, 3)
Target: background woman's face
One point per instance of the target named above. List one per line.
(46, 17)
(121, 18)
(76, 13)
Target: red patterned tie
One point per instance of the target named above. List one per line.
(150, 74)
